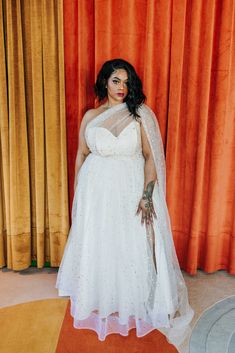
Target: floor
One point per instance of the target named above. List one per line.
(215, 331)
(34, 284)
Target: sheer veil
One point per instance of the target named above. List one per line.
(172, 297)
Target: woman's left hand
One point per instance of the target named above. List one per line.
(148, 212)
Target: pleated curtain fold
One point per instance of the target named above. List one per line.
(184, 51)
(34, 218)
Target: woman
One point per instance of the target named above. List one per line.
(119, 266)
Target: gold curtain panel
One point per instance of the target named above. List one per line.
(34, 219)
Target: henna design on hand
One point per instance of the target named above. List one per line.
(147, 195)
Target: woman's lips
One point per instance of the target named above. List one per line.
(120, 94)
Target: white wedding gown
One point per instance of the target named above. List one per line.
(107, 268)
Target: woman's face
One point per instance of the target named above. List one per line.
(117, 86)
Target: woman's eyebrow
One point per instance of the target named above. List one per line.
(119, 78)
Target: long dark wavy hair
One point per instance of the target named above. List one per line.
(135, 96)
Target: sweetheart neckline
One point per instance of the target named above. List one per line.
(116, 137)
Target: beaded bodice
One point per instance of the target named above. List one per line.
(103, 142)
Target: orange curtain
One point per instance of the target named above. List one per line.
(184, 52)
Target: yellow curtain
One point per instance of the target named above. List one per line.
(34, 219)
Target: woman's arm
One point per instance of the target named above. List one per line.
(150, 177)
(83, 149)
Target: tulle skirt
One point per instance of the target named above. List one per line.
(107, 268)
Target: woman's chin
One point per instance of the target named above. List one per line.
(120, 99)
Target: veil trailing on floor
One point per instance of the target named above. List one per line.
(171, 292)
(167, 307)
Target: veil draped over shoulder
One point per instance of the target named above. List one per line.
(171, 300)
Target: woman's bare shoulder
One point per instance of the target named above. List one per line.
(92, 113)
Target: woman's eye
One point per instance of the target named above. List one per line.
(116, 82)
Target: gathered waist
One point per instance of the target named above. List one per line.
(135, 156)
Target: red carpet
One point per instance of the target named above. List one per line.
(73, 340)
